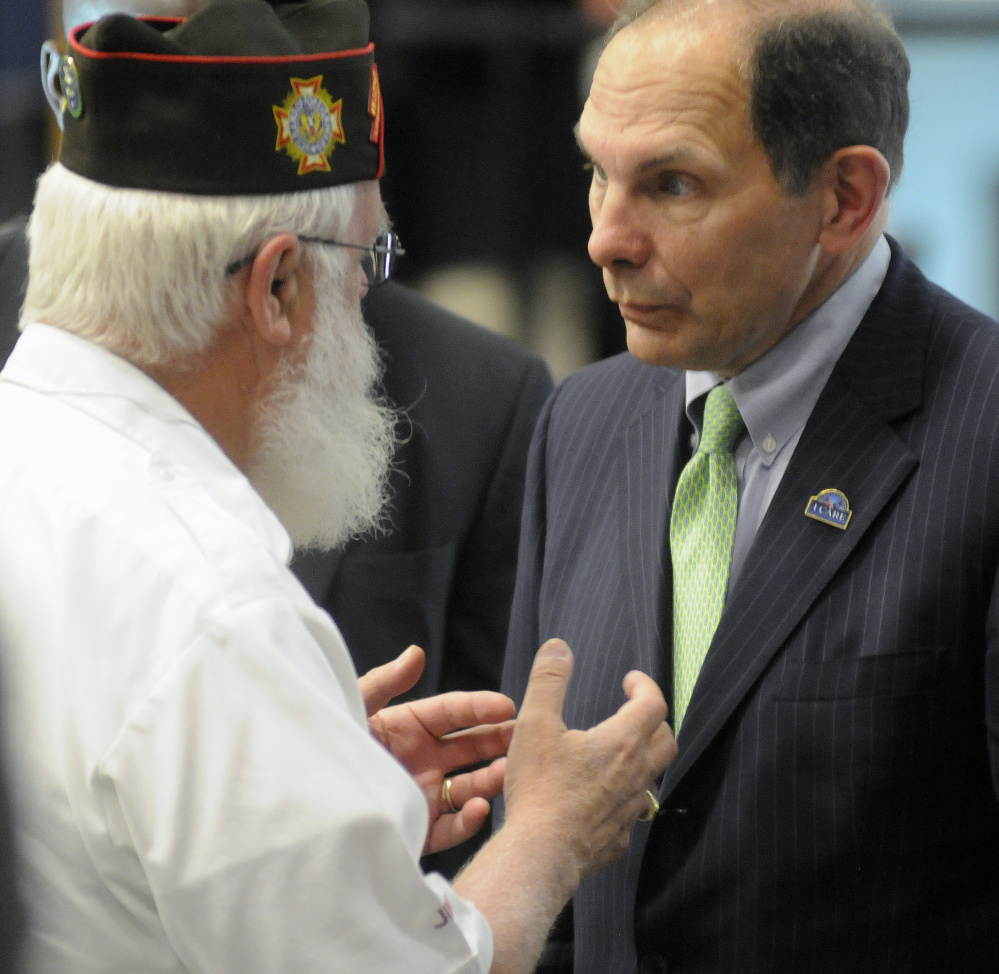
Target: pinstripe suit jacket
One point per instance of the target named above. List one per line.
(833, 806)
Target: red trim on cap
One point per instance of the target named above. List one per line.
(203, 58)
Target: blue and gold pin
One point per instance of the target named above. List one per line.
(830, 507)
(69, 82)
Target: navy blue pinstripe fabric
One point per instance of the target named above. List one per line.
(833, 806)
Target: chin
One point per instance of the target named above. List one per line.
(654, 347)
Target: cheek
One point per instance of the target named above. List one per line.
(362, 283)
(733, 263)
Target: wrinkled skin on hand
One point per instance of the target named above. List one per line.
(589, 785)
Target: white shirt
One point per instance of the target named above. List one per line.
(196, 784)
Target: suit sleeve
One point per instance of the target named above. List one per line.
(523, 639)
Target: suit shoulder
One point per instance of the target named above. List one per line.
(621, 387)
(907, 296)
(411, 328)
(961, 342)
(916, 340)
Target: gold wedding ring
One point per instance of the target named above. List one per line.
(650, 813)
(446, 796)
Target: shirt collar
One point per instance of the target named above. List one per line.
(121, 396)
(776, 394)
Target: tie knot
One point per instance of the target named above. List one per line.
(722, 423)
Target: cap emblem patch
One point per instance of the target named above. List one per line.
(309, 125)
(69, 82)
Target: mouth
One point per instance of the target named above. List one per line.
(648, 315)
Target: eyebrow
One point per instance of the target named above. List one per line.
(679, 156)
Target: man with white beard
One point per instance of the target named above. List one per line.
(197, 784)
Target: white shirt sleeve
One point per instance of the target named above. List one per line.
(274, 832)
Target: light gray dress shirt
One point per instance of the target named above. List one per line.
(776, 394)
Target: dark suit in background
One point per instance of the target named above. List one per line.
(442, 574)
(12, 918)
(13, 279)
(834, 803)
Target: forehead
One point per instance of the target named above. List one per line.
(369, 214)
(665, 85)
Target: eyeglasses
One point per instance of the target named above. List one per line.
(376, 263)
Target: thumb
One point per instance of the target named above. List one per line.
(548, 681)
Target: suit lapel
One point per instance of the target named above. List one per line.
(848, 444)
(652, 461)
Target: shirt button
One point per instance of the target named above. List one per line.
(161, 469)
(694, 440)
(769, 444)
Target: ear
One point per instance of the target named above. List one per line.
(856, 181)
(272, 288)
(50, 75)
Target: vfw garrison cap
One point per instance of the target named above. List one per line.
(244, 97)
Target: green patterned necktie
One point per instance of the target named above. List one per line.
(701, 534)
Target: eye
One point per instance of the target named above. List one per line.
(599, 175)
(675, 184)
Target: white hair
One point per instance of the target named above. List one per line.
(144, 273)
(324, 441)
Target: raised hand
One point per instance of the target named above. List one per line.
(592, 785)
(436, 736)
(572, 798)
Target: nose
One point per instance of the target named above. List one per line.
(620, 237)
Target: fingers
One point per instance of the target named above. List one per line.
(476, 745)
(664, 749)
(379, 685)
(645, 704)
(640, 736)
(482, 783)
(450, 712)
(451, 830)
(468, 793)
(549, 679)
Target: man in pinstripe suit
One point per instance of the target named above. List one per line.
(833, 806)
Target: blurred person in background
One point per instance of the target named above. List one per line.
(483, 177)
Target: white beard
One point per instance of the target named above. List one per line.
(324, 444)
